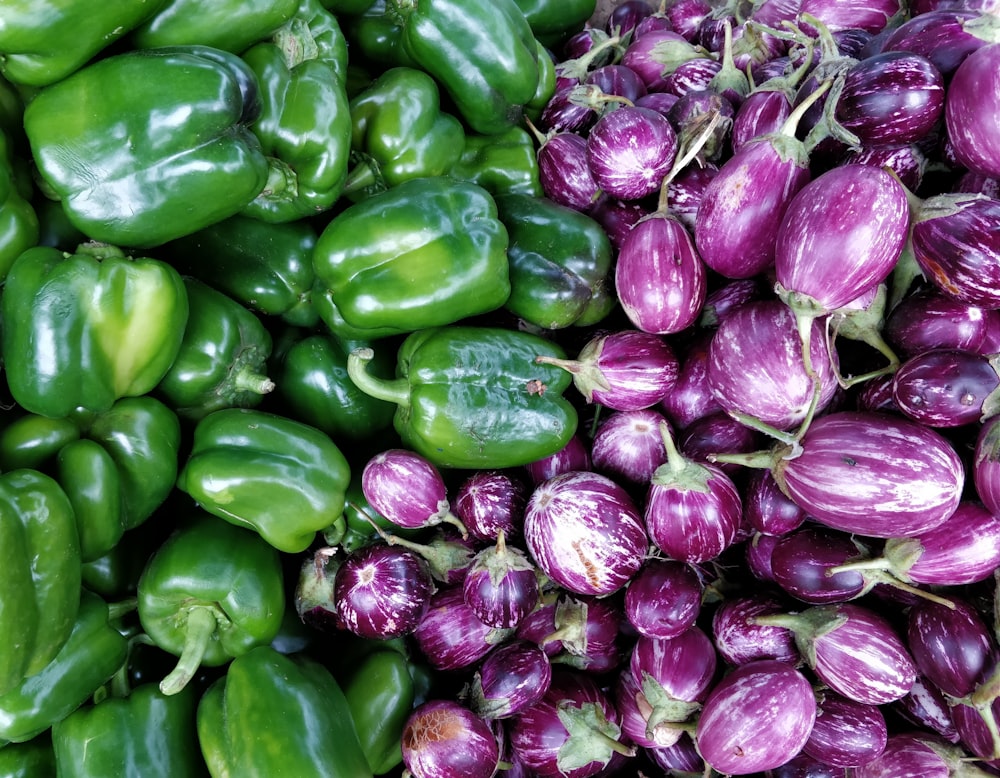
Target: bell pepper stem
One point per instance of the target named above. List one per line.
(200, 626)
(395, 391)
(250, 381)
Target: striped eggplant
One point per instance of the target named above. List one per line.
(919, 754)
(764, 111)
(451, 636)
(513, 677)
(630, 150)
(575, 455)
(756, 718)
(686, 190)
(869, 15)
(585, 533)
(587, 631)
(926, 707)
(951, 645)
(927, 318)
(564, 171)
(947, 387)
(686, 16)
(957, 246)
(491, 501)
(972, 111)
(757, 555)
(634, 711)
(724, 299)
(407, 489)
(906, 161)
(986, 464)
(874, 474)
(766, 508)
(655, 55)
(691, 398)
(739, 639)
(628, 446)
(693, 75)
(846, 733)
(663, 599)
(444, 738)
(501, 585)
(708, 435)
(945, 36)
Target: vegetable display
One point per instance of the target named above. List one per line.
(440, 388)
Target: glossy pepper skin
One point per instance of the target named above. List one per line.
(40, 575)
(43, 42)
(482, 52)
(304, 126)
(553, 22)
(380, 694)
(94, 651)
(273, 714)
(32, 759)
(266, 267)
(474, 397)
(399, 132)
(144, 732)
(560, 263)
(128, 177)
(230, 25)
(19, 227)
(376, 35)
(277, 476)
(82, 330)
(212, 591)
(505, 163)
(222, 359)
(433, 251)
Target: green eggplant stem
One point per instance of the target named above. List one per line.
(395, 391)
(199, 628)
(675, 459)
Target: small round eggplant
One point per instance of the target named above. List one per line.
(766, 508)
(656, 55)
(663, 599)
(739, 639)
(630, 150)
(803, 564)
(491, 501)
(513, 677)
(575, 455)
(564, 171)
(501, 586)
(444, 739)
(628, 446)
(451, 636)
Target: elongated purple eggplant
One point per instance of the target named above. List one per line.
(927, 318)
(846, 733)
(585, 533)
(952, 646)
(870, 15)
(873, 474)
(756, 718)
(491, 501)
(407, 489)
(764, 111)
(943, 36)
(918, 754)
(957, 246)
(564, 171)
(946, 387)
(804, 562)
(444, 739)
(663, 599)
(451, 636)
(630, 150)
(513, 677)
(766, 508)
(628, 446)
(972, 110)
(986, 465)
(739, 639)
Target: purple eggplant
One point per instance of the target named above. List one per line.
(624, 370)
(846, 733)
(919, 754)
(875, 395)
(451, 636)
(655, 55)
(693, 510)
(382, 592)
(926, 707)
(444, 739)
(572, 732)
(957, 246)
(977, 720)
(976, 183)
(952, 646)
(691, 398)
(708, 436)
(575, 455)
(513, 677)
(694, 75)
(539, 626)
(572, 108)
(756, 718)
(627, 445)
(986, 465)
(661, 102)
(491, 501)
(663, 599)
(739, 639)
(891, 98)
(660, 278)
(617, 80)
(587, 631)
(585, 533)
(757, 371)
(692, 112)
(804, 564)
(501, 586)
(773, 13)
(873, 474)
(763, 112)
(686, 190)
(626, 16)
(630, 150)
(766, 508)
(728, 297)
(634, 711)
(870, 15)
(407, 489)
(564, 171)
(617, 217)
(757, 552)
(943, 36)
(946, 387)
(906, 161)
(686, 16)
(927, 318)
(972, 110)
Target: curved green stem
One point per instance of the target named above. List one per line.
(199, 627)
(394, 391)
(248, 380)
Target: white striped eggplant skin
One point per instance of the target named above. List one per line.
(630, 150)
(972, 111)
(917, 755)
(846, 733)
(870, 15)
(940, 35)
(957, 246)
(841, 235)
(874, 474)
(756, 718)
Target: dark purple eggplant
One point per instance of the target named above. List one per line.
(757, 371)
(946, 387)
(407, 489)
(512, 677)
(873, 474)
(692, 111)
(972, 110)
(663, 599)
(870, 15)
(976, 183)
(628, 446)
(739, 639)
(630, 150)
(447, 554)
(585, 533)
(444, 739)
(952, 646)
(564, 171)
(708, 436)
(617, 217)
(986, 465)
(728, 297)
(927, 318)
(875, 395)
(918, 754)
(382, 592)
(803, 564)
(539, 627)
(943, 36)
(757, 552)
(451, 636)
(906, 161)
(661, 102)
(491, 501)
(766, 508)
(617, 80)
(691, 398)
(756, 718)
(568, 110)
(891, 98)
(501, 585)
(626, 15)
(692, 509)
(957, 246)
(846, 733)
(575, 455)
(624, 370)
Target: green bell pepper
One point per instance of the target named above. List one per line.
(553, 21)
(505, 163)
(222, 359)
(94, 651)
(380, 694)
(115, 467)
(546, 86)
(124, 173)
(266, 267)
(144, 733)
(40, 576)
(273, 714)
(305, 125)
(560, 263)
(230, 25)
(82, 330)
(211, 592)
(32, 759)
(19, 227)
(376, 37)
(474, 397)
(427, 252)
(482, 52)
(277, 476)
(43, 41)
(54, 227)
(399, 132)
(347, 7)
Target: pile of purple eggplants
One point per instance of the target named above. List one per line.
(774, 550)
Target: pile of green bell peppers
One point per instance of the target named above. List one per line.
(244, 245)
